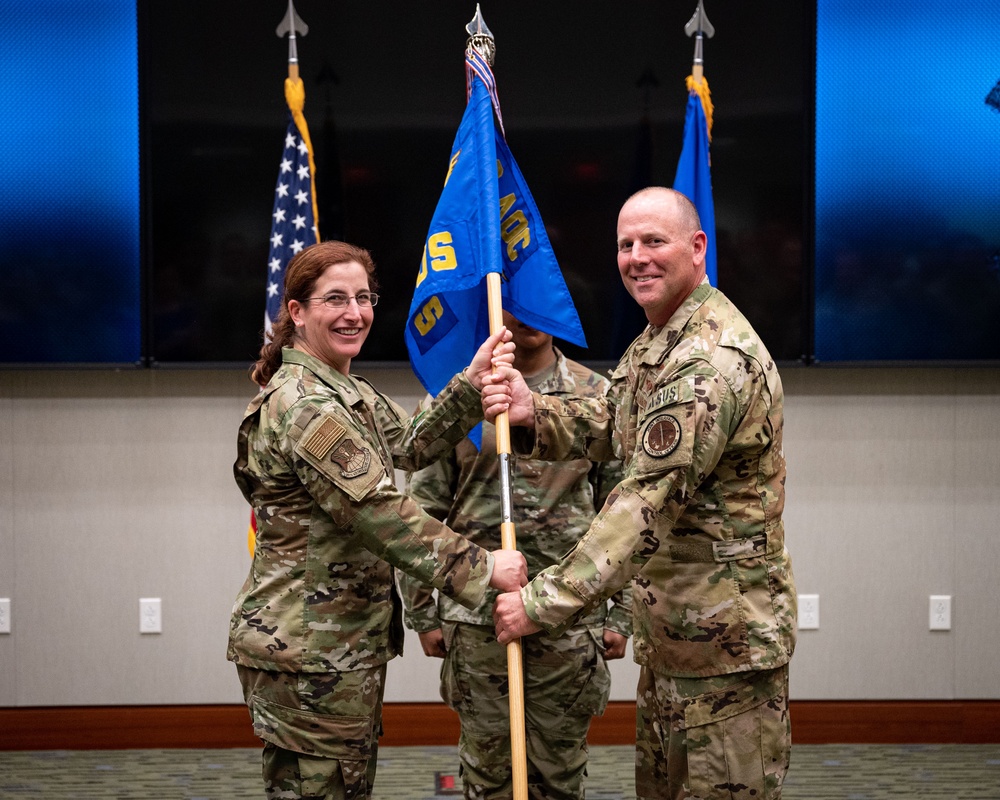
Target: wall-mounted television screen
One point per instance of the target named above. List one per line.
(857, 191)
(69, 171)
(907, 219)
(593, 101)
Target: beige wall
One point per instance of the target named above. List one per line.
(118, 485)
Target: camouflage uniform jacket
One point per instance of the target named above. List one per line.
(316, 452)
(553, 504)
(695, 414)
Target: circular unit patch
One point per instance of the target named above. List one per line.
(662, 436)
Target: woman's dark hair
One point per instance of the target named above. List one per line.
(300, 280)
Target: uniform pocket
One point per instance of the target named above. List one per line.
(594, 698)
(738, 739)
(313, 734)
(665, 437)
(325, 777)
(453, 688)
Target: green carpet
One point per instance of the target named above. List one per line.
(819, 772)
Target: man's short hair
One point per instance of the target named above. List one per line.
(687, 211)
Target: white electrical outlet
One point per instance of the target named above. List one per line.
(149, 615)
(808, 612)
(4, 615)
(940, 612)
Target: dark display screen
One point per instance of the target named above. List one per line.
(857, 203)
(593, 100)
(69, 172)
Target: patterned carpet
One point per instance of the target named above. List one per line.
(819, 772)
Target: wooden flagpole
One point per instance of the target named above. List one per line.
(481, 39)
(508, 541)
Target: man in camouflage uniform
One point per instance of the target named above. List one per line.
(566, 681)
(695, 414)
(318, 616)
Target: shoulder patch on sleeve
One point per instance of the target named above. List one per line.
(352, 459)
(666, 430)
(661, 436)
(341, 454)
(326, 435)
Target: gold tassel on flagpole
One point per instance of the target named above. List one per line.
(699, 86)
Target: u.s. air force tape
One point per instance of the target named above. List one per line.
(329, 435)
(662, 436)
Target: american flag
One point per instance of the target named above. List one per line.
(293, 223)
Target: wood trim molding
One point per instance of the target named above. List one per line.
(209, 726)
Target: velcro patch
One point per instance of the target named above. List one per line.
(324, 437)
(680, 391)
(667, 395)
(352, 460)
(662, 435)
(341, 455)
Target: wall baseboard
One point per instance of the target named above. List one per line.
(210, 726)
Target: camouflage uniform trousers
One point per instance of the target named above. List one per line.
(320, 730)
(720, 738)
(566, 682)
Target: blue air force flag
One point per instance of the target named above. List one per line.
(694, 176)
(485, 221)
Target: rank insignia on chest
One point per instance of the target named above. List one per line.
(352, 460)
(662, 435)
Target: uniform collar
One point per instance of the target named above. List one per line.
(560, 380)
(344, 385)
(662, 340)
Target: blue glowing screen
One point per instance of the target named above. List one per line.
(69, 182)
(907, 226)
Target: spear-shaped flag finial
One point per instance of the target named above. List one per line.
(293, 26)
(699, 27)
(481, 38)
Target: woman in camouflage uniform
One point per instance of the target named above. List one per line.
(318, 616)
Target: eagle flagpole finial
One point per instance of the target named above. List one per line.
(481, 38)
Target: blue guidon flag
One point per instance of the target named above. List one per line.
(485, 221)
(694, 174)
